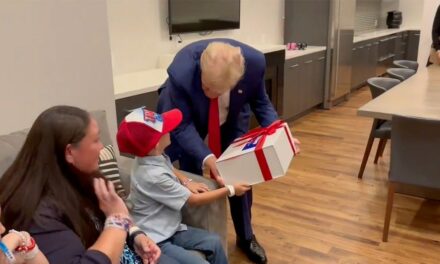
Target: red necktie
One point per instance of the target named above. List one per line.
(214, 142)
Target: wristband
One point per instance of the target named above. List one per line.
(231, 190)
(133, 229)
(118, 221)
(27, 248)
(132, 236)
(9, 256)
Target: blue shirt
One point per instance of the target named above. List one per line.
(157, 197)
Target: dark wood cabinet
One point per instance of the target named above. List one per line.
(373, 57)
(413, 45)
(303, 84)
(125, 105)
(365, 57)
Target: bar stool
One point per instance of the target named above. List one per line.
(408, 64)
(381, 128)
(400, 73)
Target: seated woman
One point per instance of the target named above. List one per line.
(19, 247)
(53, 190)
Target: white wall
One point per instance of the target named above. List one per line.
(385, 6)
(53, 52)
(139, 33)
(429, 9)
(412, 13)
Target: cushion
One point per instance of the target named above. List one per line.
(108, 167)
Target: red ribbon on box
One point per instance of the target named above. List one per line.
(259, 153)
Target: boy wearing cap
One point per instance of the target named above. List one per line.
(157, 194)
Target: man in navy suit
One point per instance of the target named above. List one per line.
(232, 74)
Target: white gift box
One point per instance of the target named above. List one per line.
(261, 155)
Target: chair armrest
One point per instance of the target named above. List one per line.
(125, 165)
(211, 217)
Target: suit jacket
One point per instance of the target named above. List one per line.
(183, 90)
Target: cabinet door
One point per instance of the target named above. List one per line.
(292, 92)
(319, 77)
(398, 46)
(372, 59)
(357, 66)
(365, 63)
(307, 72)
(125, 105)
(413, 45)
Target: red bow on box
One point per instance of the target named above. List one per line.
(263, 132)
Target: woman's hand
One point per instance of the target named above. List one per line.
(109, 201)
(146, 249)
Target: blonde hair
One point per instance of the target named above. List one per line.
(222, 66)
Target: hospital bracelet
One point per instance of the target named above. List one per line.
(9, 256)
(118, 221)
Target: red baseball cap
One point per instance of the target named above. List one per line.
(142, 129)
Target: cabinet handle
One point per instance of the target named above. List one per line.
(309, 61)
(293, 66)
(320, 59)
(353, 49)
(417, 34)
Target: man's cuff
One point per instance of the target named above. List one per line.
(203, 162)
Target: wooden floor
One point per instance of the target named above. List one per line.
(321, 213)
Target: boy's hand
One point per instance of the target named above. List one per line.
(197, 187)
(241, 188)
(146, 249)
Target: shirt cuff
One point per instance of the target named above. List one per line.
(203, 163)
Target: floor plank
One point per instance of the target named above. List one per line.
(321, 213)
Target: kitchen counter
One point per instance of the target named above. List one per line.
(290, 54)
(378, 33)
(135, 83)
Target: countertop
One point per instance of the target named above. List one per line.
(378, 33)
(290, 54)
(134, 83)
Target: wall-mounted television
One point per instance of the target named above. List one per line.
(186, 16)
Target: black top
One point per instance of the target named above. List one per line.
(59, 243)
(436, 30)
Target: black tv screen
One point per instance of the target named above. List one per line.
(203, 15)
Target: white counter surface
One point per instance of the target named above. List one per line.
(378, 33)
(138, 82)
(290, 54)
(134, 83)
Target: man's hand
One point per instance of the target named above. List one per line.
(212, 166)
(197, 187)
(146, 249)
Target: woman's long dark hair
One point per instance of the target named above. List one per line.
(40, 172)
